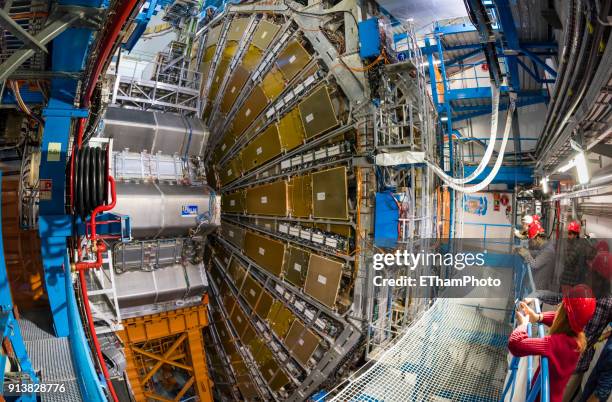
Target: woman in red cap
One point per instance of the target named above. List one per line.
(565, 340)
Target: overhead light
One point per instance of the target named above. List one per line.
(545, 185)
(582, 168)
(444, 118)
(566, 167)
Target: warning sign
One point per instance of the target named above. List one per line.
(45, 188)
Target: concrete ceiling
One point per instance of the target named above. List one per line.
(424, 12)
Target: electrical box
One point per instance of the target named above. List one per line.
(369, 38)
(386, 220)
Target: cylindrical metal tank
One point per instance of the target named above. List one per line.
(145, 292)
(164, 210)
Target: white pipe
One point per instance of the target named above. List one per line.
(490, 147)
(500, 158)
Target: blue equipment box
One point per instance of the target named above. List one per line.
(386, 220)
(369, 38)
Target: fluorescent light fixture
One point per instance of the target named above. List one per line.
(444, 118)
(582, 168)
(545, 185)
(566, 167)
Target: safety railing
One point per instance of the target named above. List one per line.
(89, 382)
(535, 387)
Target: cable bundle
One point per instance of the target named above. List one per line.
(90, 179)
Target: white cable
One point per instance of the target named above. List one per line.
(500, 158)
(490, 147)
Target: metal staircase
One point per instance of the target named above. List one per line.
(51, 358)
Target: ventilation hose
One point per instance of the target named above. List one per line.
(500, 158)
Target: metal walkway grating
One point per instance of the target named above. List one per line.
(453, 352)
(51, 357)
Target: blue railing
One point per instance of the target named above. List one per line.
(89, 383)
(540, 386)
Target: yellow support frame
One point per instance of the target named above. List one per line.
(181, 329)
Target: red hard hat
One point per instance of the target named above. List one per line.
(534, 229)
(602, 245)
(574, 226)
(537, 218)
(602, 263)
(579, 304)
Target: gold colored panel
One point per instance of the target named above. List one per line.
(247, 388)
(233, 88)
(290, 130)
(267, 199)
(301, 341)
(237, 28)
(235, 234)
(317, 113)
(300, 196)
(255, 103)
(237, 272)
(280, 318)
(329, 194)
(342, 230)
(292, 59)
(209, 54)
(296, 266)
(215, 275)
(231, 170)
(239, 320)
(266, 252)
(268, 224)
(263, 355)
(251, 291)
(251, 58)
(263, 148)
(323, 279)
(264, 305)
(279, 381)
(212, 36)
(273, 83)
(223, 147)
(264, 34)
(268, 370)
(233, 202)
(249, 333)
(228, 302)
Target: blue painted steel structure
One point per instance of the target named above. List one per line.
(69, 55)
(9, 329)
(142, 20)
(89, 383)
(462, 102)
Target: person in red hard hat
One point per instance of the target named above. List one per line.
(577, 252)
(540, 256)
(565, 340)
(573, 230)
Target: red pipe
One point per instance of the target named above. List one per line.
(102, 208)
(108, 41)
(85, 265)
(94, 337)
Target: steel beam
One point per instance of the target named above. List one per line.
(50, 32)
(13, 27)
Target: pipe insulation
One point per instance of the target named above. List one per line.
(500, 158)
